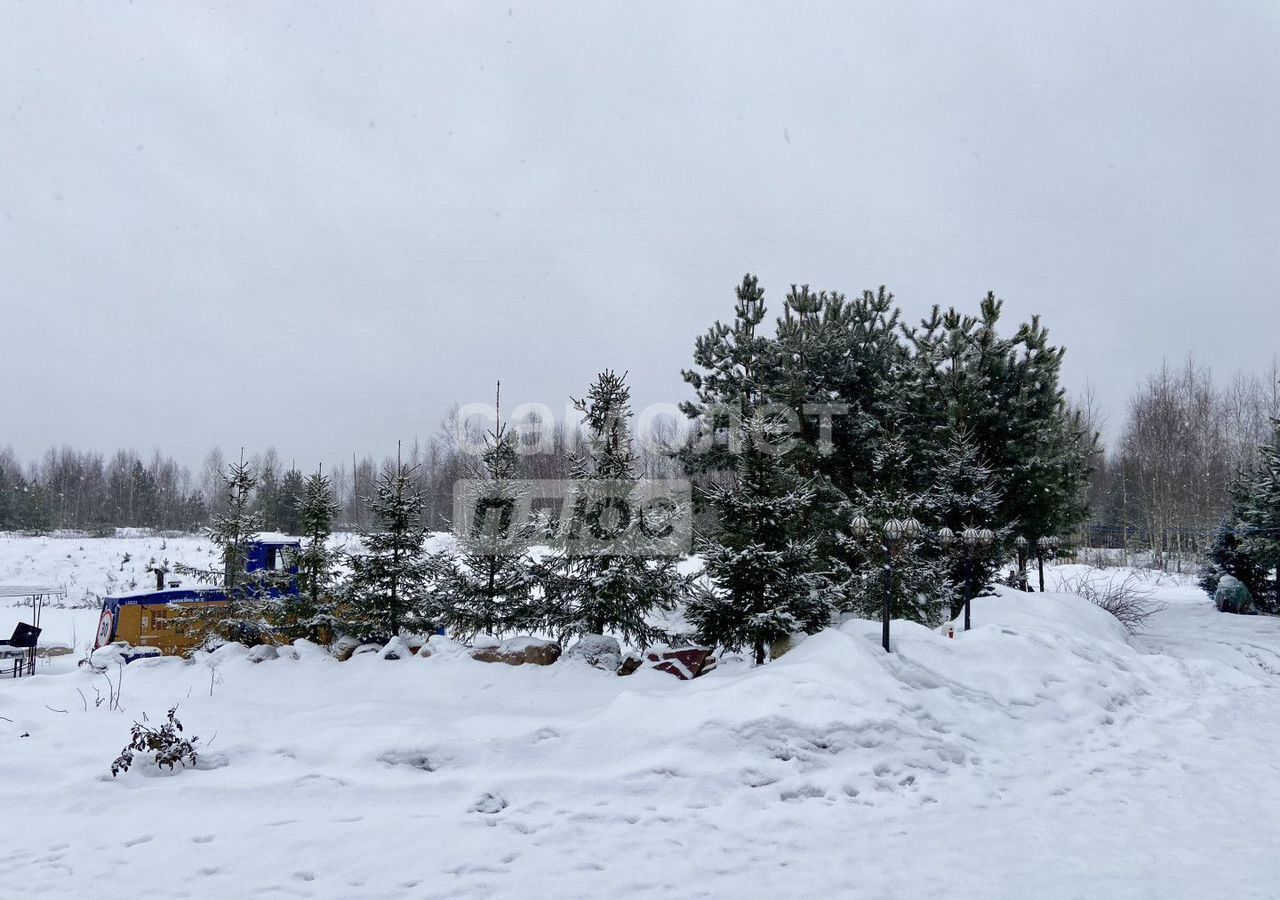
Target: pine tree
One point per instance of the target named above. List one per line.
(388, 590)
(1005, 393)
(765, 581)
(244, 616)
(615, 591)
(734, 363)
(487, 583)
(310, 613)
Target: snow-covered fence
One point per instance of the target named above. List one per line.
(1168, 549)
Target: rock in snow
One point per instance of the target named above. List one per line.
(519, 651)
(686, 663)
(597, 651)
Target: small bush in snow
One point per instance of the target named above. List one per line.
(165, 744)
(1126, 597)
(1232, 596)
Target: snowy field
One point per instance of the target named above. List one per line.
(1042, 755)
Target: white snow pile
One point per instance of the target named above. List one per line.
(1039, 755)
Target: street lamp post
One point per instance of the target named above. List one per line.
(972, 538)
(1021, 543)
(896, 531)
(1042, 547)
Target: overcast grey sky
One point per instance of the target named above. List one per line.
(318, 225)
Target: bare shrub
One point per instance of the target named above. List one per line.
(1126, 596)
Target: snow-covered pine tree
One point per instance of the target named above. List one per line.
(612, 592)
(919, 586)
(1006, 394)
(310, 613)
(764, 581)
(963, 495)
(734, 363)
(1228, 554)
(246, 614)
(1261, 519)
(487, 583)
(388, 590)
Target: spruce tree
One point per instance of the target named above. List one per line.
(765, 580)
(310, 613)
(1260, 520)
(388, 590)
(919, 585)
(487, 583)
(963, 495)
(288, 517)
(244, 617)
(615, 591)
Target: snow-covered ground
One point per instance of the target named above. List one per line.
(1042, 755)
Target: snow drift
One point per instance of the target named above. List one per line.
(1039, 754)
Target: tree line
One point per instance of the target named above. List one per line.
(88, 491)
(834, 409)
(1187, 438)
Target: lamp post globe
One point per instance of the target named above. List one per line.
(860, 526)
(970, 536)
(946, 536)
(986, 537)
(910, 528)
(893, 529)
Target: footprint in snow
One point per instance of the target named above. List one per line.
(142, 839)
(489, 804)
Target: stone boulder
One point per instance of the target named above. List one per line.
(443, 647)
(519, 651)
(343, 648)
(630, 663)
(785, 645)
(262, 653)
(685, 663)
(397, 648)
(597, 651)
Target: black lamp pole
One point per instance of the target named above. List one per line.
(1021, 543)
(973, 539)
(1042, 545)
(895, 531)
(888, 596)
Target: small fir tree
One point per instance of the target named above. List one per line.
(244, 616)
(963, 495)
(918, 585)
(765, 580)
(615, 591)
(310, 613)
(487, 583)
(388, 591)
